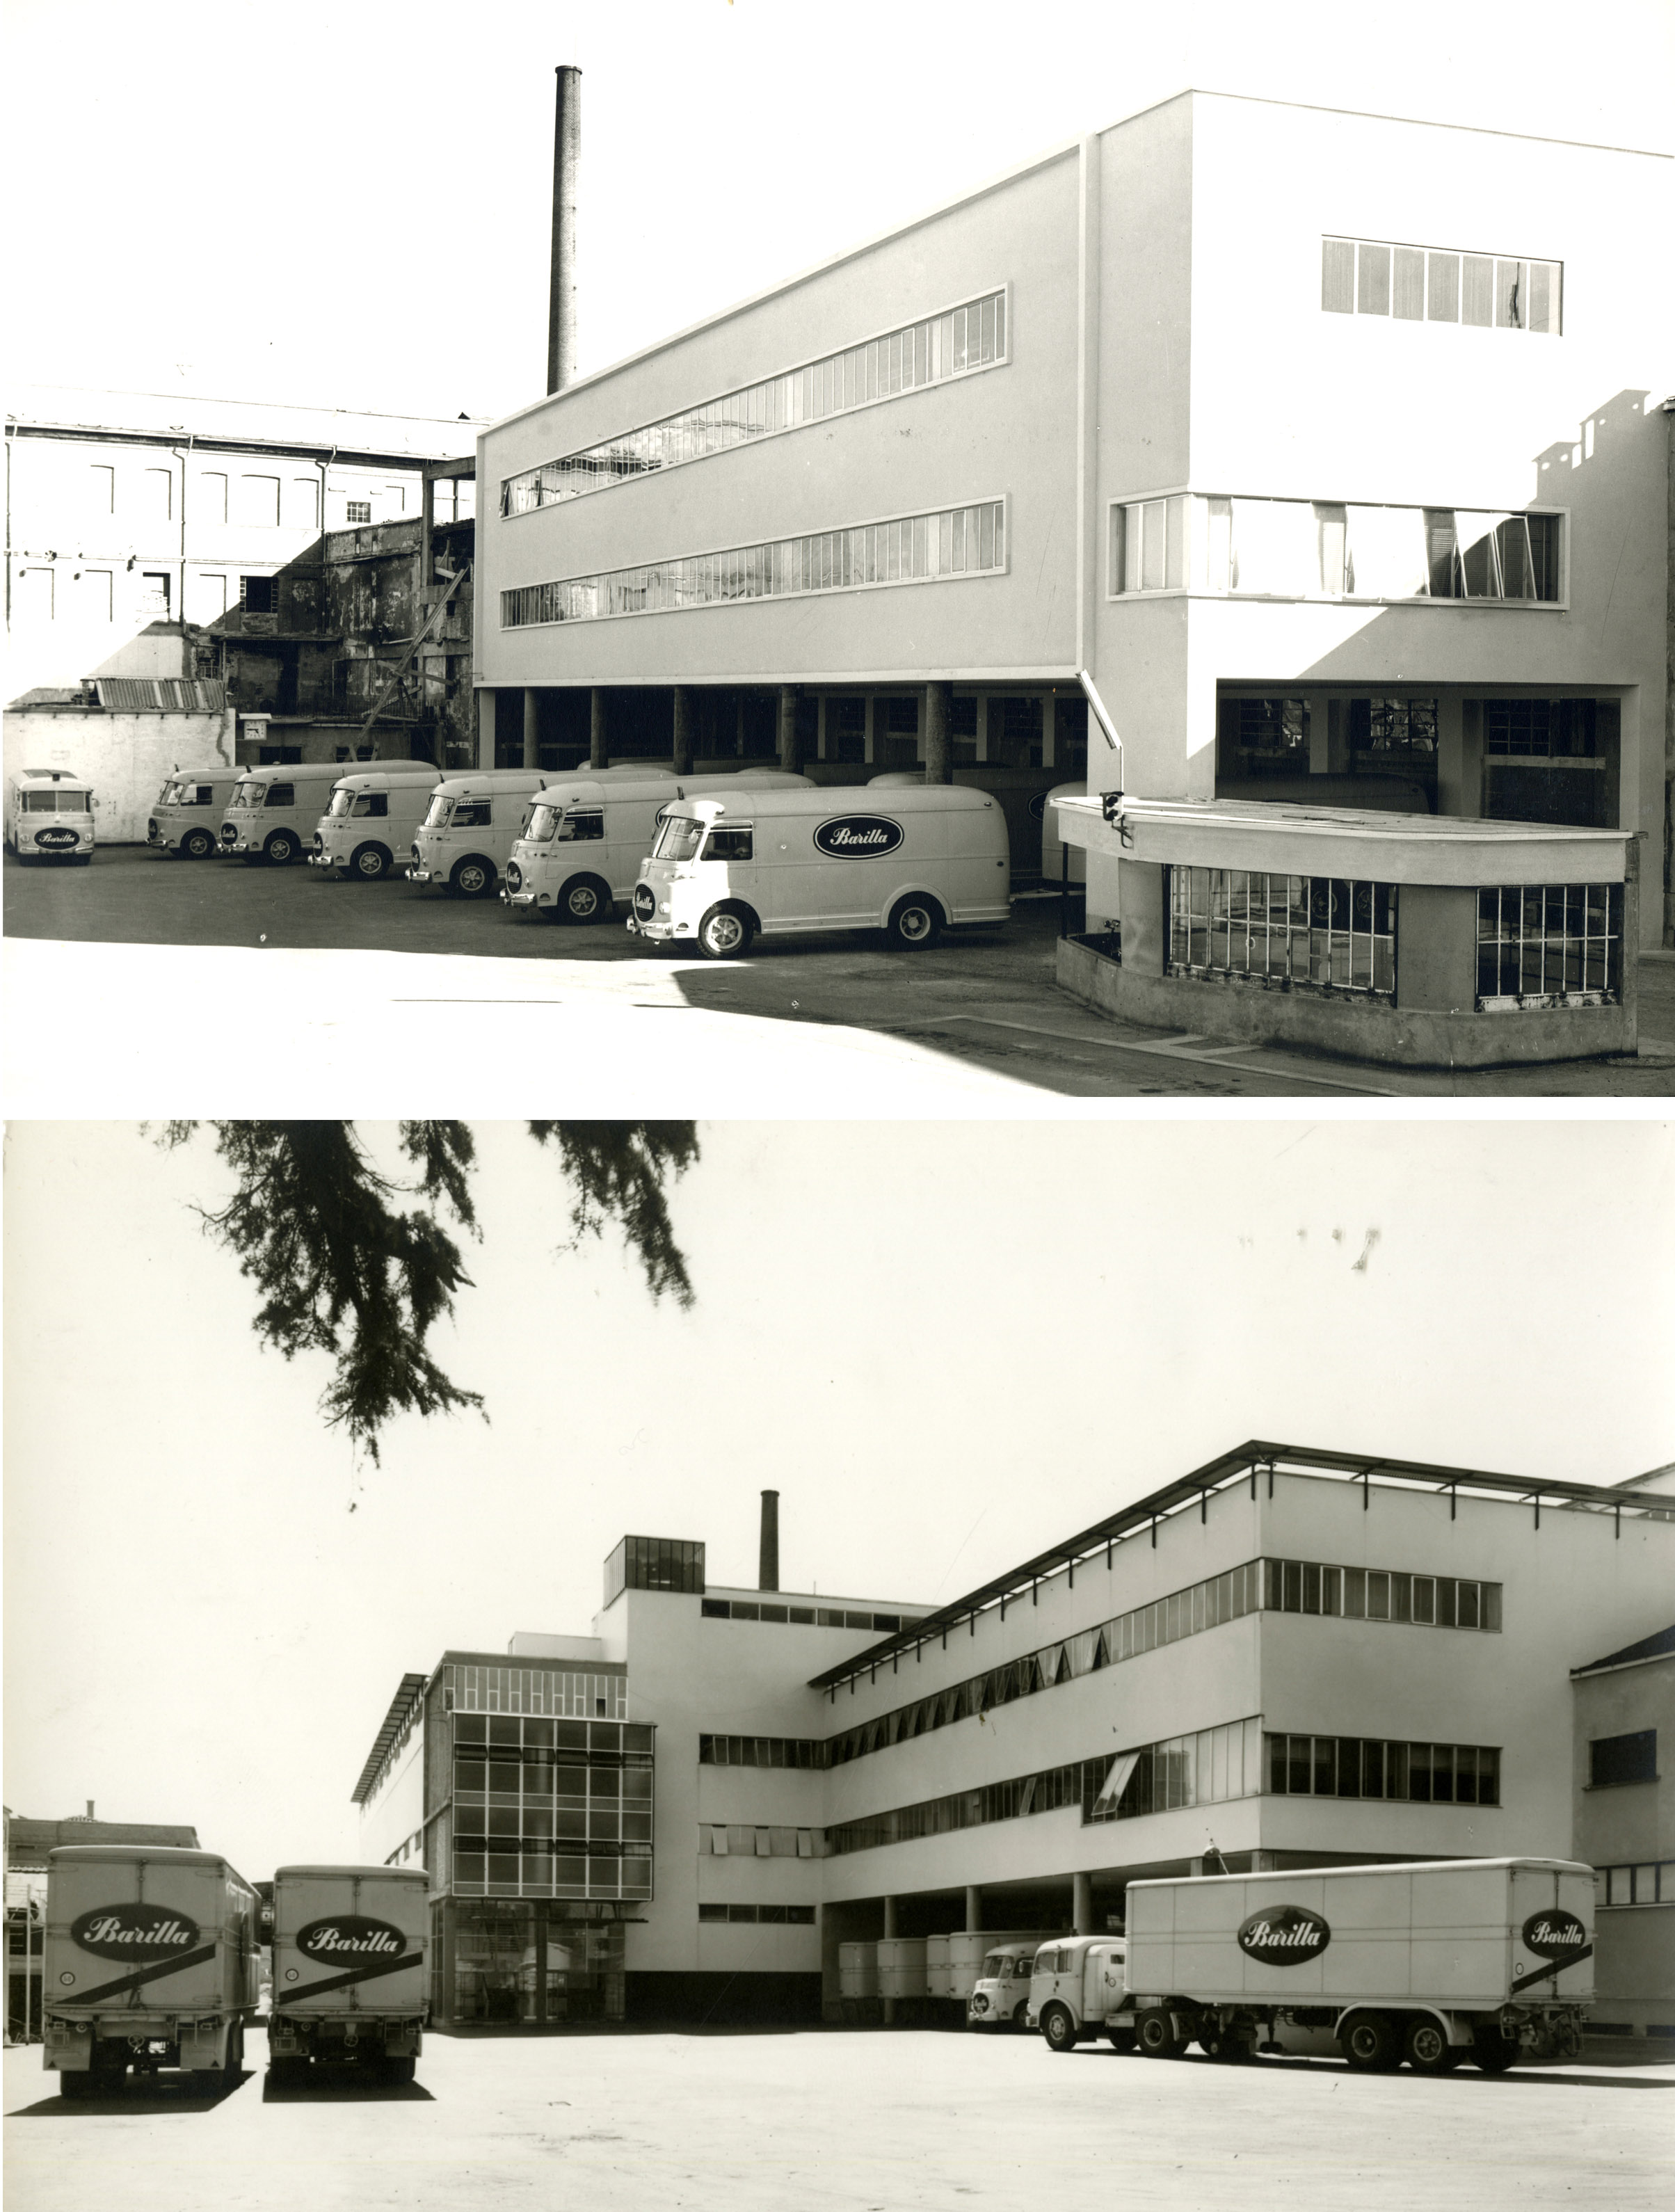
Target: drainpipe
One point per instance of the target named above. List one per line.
(187, 671)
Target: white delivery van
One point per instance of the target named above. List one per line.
(151, 1960)
(1001, 1993)
(188, 809)
(1490, 1959)
(271, 811)
(1061, 862)
(587, 835)
(49, 816)
(469, 830)
(348, 1968)
(784, 862)
(1077, 1989)
(368, 826)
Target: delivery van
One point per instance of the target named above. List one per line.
(49, 816)
(368, 824)
(1001, 1993)
(350, 1985)
(271, 811)
(470, 827)
(908, 861)
(587, 835)
(1061, 862)
(188, 809)
(151, 1960)
(1077, 1990)
(1432, 1961)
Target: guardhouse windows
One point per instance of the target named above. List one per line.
(1314, 933)
(1549, 944)
(1614, 1761)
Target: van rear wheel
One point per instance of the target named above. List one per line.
(915, 920)
(725, 933)
(584, 899)
(1059, 2028)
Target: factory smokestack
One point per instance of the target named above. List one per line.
(768, 1577)
(562, 300)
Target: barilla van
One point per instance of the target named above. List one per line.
(188, 809)
(151, 1960)
(906, 861)
(49, 816)
(470, 826)
(1061, 862)
(369, 823)
(271, 811)
(587, 835)
(348, 1968)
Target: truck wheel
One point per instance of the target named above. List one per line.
(1121, 2039)
(725, 933)
(233, 2072)
(913, 922)
(1020, 2013)
(399, 2069)
(584, 899)
(1370, 2043)
(1429, 2050)
(1157, 2036)
(281, 849)
(370, 862)
(1225, 2048)
(473, 877)
(197, 844)
(1491, 2051)
(1059, 2028)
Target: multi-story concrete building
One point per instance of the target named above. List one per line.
(1310, 451)
(1292, 1658)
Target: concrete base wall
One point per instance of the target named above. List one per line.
(125, 758)
(1352, 1028)
(751, 2000)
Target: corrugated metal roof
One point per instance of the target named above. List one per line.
(239, 422)
(160, 694)
(1659, 1646)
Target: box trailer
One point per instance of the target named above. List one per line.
(348, 1968)
(1490, 1959)
(151, 1960)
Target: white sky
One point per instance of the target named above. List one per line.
(348, 205)
(945, 1344)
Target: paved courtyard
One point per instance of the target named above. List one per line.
(849, 2121)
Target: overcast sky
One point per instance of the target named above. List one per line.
(946, 1345)
(349, 205)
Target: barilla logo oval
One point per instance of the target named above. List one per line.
(57, 838)
(133, 1931)
(1554, 1935)
(644, 904)
(350, 1936)
(1284, 1936)
(1038, 807)
(858, 836)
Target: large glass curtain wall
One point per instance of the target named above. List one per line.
(512, 1961)
(551, 1808)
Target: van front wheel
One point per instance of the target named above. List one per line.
(584, 899)
(197, 844)
(472, 878)
(725, 933)
(370, 863)
(281, 849)
(913, 921)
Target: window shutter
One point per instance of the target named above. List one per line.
(1478, 287)
(1410, 299)
(1443, 300)
(1336, 276)
(1373, 280)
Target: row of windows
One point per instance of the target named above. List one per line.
(1646, 1884)
(1549, 944)
(760, 1751)
(1419, 285)
(89, 595)
(502, 1874)
(1258, 1585)
(507, 1734)
(797, 1915)
(968, 337)
(1319, 933)
(532, 1827)
(823, 1616)
(1354, 1766)
(654, 1563)
(567, 1693)
(1049, 1791)
(216, 496)
(912, 549)
(736, 1840)
(508, 1782)
(1330, 548)
(1208, 1767)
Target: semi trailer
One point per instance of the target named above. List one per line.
(348, 1969)
(1431, 1962)
(151, 1960)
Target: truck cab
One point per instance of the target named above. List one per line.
(1078, 1988)
(1000, 1997)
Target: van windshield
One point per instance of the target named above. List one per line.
(441, 808)
(542, 820)
(341, 801)
(169, 795)
(678, 839)
(248, 795)
(55, 801)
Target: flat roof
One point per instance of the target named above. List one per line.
(90, 411)
(411, 1690)
(1244, 1463)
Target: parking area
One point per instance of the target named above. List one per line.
(988, 998)
(856, 2122)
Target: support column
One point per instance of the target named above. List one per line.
(739, 724)
(683, 729)
(890, 1932)
(938, 755)
(1082, 1903)
(973, 1909)
(870, 728)
(532, 727)
(599, 754)
(790, 751)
